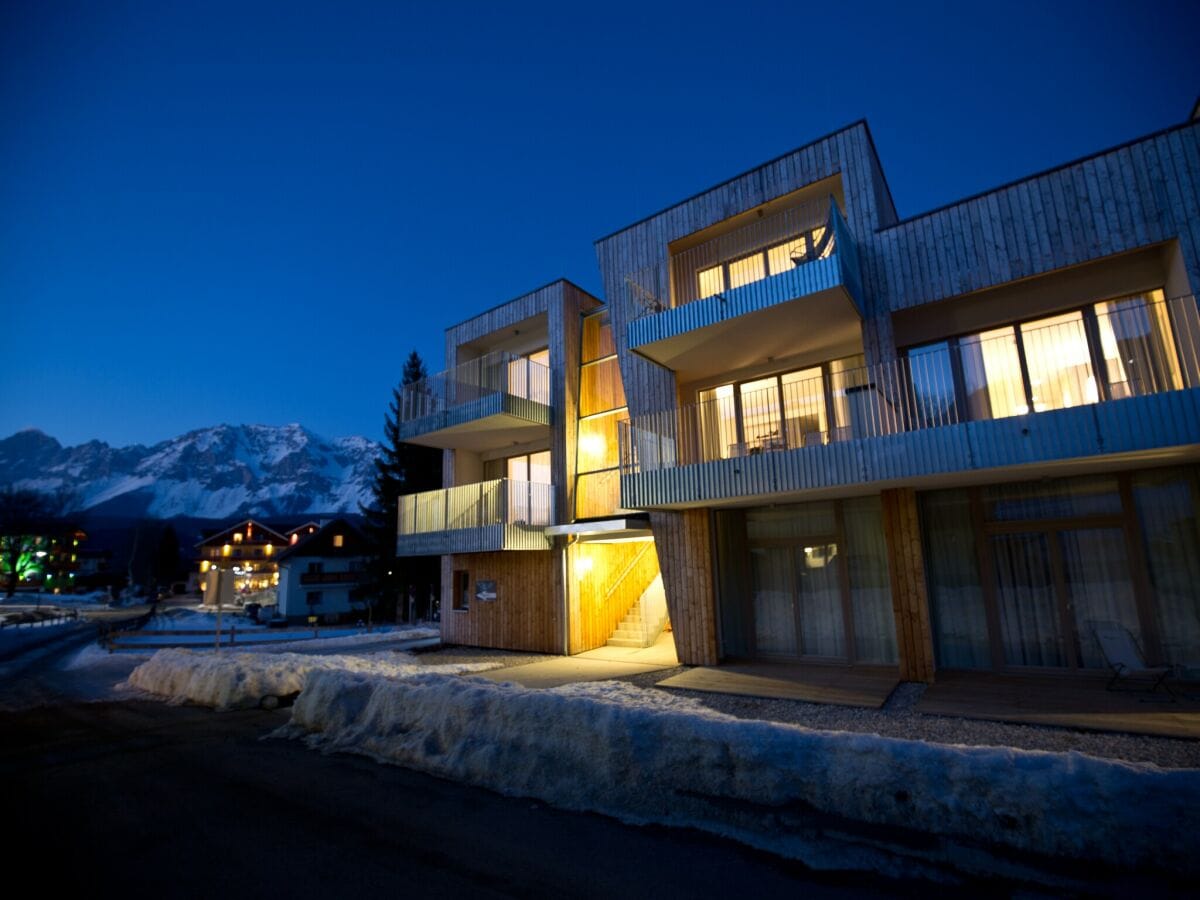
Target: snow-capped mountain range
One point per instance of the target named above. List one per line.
(214, 473)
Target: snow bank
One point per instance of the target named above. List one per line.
(644, 756)
(378, 636)
(236, 680)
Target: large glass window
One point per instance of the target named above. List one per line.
(992, 375)
(784, 411)
(1060, 559)
(1060, 367)
(804, 407)
(1114, 349)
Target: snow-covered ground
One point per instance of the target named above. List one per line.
(169, 629)
(236, 680)
(646, 756)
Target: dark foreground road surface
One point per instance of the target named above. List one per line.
(140, 799)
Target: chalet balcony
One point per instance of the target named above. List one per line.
(502, 514)
(483, 404)
(749, 294)
(353, 576)
(1117, 384)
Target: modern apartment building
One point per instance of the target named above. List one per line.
(536, 554)
(956, 440)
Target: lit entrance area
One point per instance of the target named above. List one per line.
(1022, 576)
(806, 582)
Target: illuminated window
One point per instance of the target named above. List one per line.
(712, 281)
(339, 540)
(226, 550)
(1117, 348)
(295, 537)
(781, 257)
(270, 548)
(746, 270)
(237, 537)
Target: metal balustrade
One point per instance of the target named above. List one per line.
(501, 501)
(1116, 350)
(499, 372)
(768, 246)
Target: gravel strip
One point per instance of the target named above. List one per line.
(898, 719)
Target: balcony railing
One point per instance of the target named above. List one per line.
(775, 245)
(495, 373)
(1134, 350)
(501, 501)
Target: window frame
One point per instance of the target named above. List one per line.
(1091, 331)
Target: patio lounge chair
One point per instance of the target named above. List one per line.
(1123, 657)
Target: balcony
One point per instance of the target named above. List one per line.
(1107, 388)
(483, 404)
(748, 295)
(353, 576)
(501, 514)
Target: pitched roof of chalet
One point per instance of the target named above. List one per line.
(273, 536)
(321, 543)
(311, 523)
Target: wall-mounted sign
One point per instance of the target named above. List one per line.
(485, 591)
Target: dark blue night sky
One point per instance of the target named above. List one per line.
(250, 212)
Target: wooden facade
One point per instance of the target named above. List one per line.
(1117, 222)
(527, 613)
(906, 567)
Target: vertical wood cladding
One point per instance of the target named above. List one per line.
(685, 557)
(527, 612)
(906, 568)
(616, 576)
(1135, 196)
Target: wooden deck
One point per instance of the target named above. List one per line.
(1064, 701)
(846, 686)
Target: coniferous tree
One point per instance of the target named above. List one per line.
(400, 469)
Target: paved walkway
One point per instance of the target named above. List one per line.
(594, 665)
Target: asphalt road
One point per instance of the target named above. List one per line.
(139, 799)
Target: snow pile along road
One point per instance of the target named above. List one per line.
(239, 680)
(821, 797)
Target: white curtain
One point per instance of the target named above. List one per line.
(870, 588)
(960, 631)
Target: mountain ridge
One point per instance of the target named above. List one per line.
(217, 472)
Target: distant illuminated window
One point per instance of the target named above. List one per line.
(237, 537)
(295, 537)
(339, 540)
(226, 550)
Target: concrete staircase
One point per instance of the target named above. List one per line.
(645, 620)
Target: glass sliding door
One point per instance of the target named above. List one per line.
(761, 414)
(1099, 588)
(804, 407)
(1138, 346)
(819, 602)
(773, 571)
(718, 423)
(1027, 602)
(1059, 362)
(991, 368)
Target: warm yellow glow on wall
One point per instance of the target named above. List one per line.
(204, 565)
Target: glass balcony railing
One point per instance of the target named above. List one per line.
(501, 501)
(1115, 350)
(496, 373)
(772, 248)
